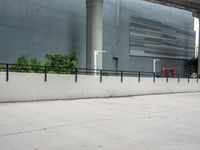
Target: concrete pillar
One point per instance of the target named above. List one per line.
(94, 42)
(199, 50)
(197, 15)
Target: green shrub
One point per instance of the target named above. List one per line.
(2, 68)
(60, 63)
(22, 64)
(26, 64)
(36, 66)
(57, 63)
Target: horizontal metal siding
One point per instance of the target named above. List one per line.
(155, 39)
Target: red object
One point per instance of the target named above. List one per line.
(169, 72)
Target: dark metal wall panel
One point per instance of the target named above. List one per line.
(154, 39)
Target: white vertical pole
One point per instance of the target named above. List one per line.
(154, 64)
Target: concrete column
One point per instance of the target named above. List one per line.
(197, 15)
(94, 43)
(199, 50)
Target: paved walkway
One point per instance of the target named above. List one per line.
(155, 122)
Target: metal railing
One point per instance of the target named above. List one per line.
(7, 68)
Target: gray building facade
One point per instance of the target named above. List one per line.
(39, 27)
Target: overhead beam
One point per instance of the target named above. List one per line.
(190, 5)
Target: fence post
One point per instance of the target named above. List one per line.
(154, 77)
(139, 76)
(45, 73)
(122, 75)
(178, 78)
(7, 72)
(188, 78)
(197, 78)
(76, 75)
(101, 74)
(167, 79)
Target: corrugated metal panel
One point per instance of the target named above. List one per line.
(155, 39)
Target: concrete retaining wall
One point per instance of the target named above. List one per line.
(30, 87)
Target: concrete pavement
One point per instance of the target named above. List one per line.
(154, 122)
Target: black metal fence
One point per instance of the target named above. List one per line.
(7, 68)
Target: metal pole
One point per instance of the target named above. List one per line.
(154, 64)
(167, 79)
(76, 75)
(139, 76)
(7, 72)
(178, 78)
(154, 77)
(101, 74)
(45, 73)
(122, 75)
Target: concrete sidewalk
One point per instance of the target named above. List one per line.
(154, 122)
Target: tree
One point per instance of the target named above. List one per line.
(192, 65)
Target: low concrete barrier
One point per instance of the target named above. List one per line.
(31, 87)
